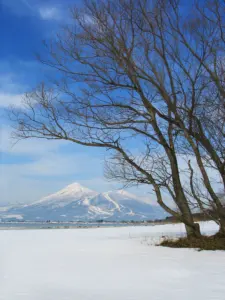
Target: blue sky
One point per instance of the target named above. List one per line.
(34, 168)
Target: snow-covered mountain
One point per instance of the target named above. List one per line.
(72, 193)
(76, 202)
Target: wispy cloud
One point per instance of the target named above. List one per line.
(10, 99)
(44, 10)
(26, 3)
(17, 7)
(50, 13)
(18, 77)
(11, 91)
(8, 82)
(27, 166)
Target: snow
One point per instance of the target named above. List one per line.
(107, 196)
(80, 203)
(107, 263)
(70, 193)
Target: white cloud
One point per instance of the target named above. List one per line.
(49, 168)
(33, 7)
(11, 92)
(59, 164)
(28, 182)
(9, 80)
(50, 13)
(10, 99)
(32, 147)
(18, 7)
(18, 188)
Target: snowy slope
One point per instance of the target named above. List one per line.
(121, 205)
(76, 202)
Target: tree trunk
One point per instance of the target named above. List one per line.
(193, 231)
(221, 232)
(192, 228)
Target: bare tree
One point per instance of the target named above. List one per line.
(201, 113)
(202, 201)
(138, 72)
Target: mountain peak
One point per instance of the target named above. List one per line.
(69, 193)
(76, 187)
(76, 202)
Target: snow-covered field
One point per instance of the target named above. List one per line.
(107, 264)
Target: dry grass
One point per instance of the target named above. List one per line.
(205, 243)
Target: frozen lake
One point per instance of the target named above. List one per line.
(107, 264)
(56, 225)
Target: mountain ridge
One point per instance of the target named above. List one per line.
(78, 203)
